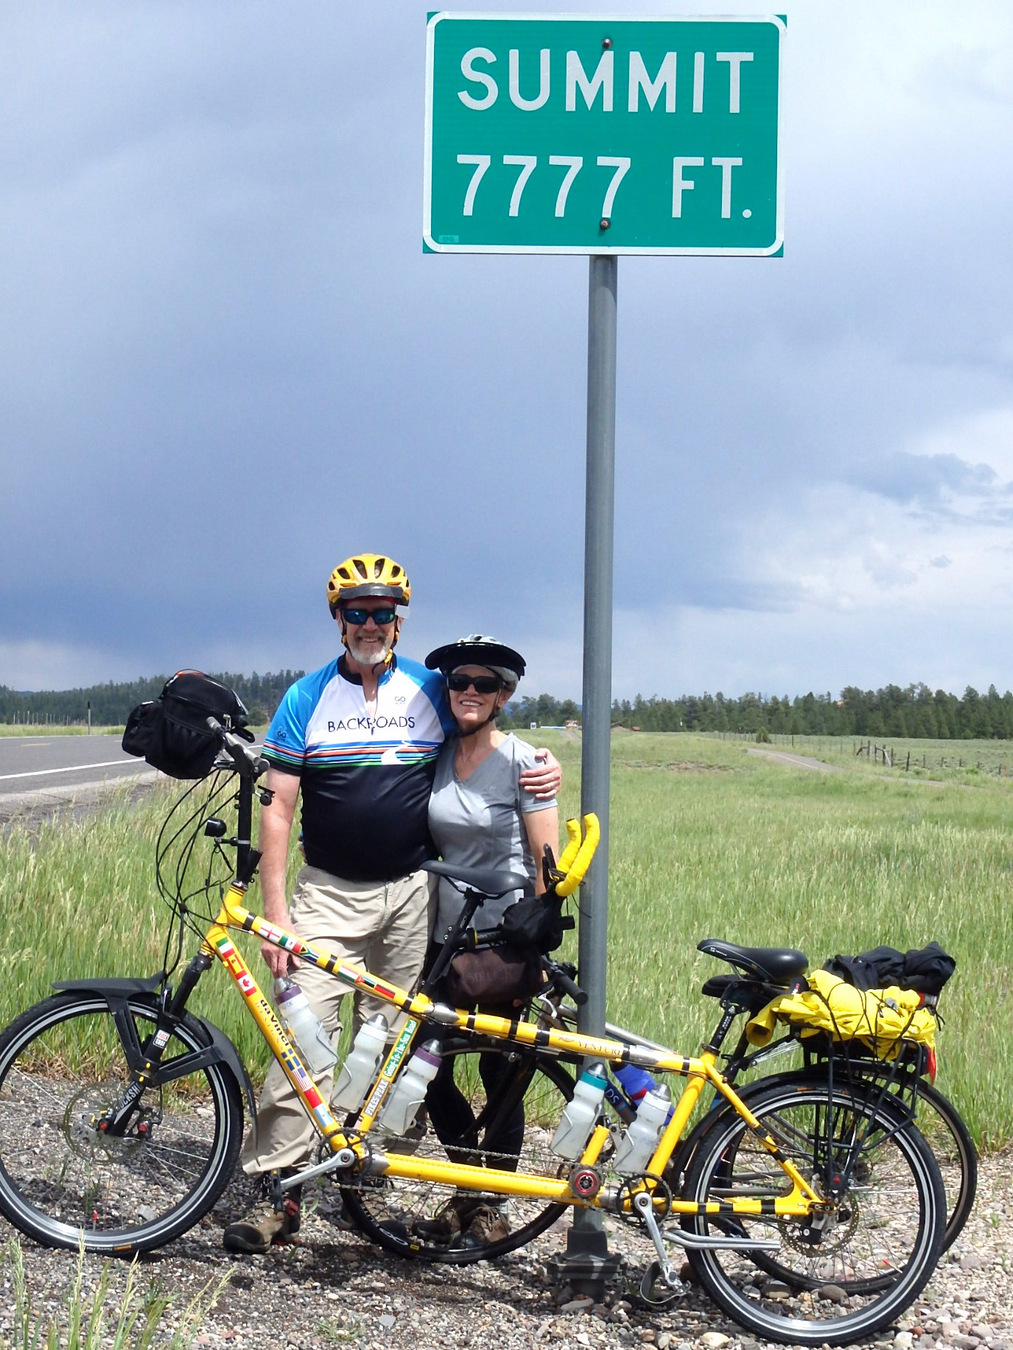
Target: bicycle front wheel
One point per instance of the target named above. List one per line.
(852, 1267)
(63, 1180)
(435, 1222)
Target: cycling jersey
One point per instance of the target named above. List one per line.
(365, 774)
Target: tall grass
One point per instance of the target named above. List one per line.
(706, 841)
(79, 899)
(131, 1319)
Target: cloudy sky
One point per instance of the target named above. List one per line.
(227, 364)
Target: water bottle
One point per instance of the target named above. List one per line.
(634, 1081)
(303, 1025)
(359, 1069)
(637, 1145)
(581, 1112)
(410, 1087)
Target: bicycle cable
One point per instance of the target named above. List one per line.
(175, 855)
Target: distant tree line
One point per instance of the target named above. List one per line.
(545, 710)
(111, 703)
(915, 711)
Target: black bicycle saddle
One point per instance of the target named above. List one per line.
(775, 965)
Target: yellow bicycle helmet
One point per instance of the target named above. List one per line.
(368, 574)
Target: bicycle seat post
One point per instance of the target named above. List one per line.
(455, 939)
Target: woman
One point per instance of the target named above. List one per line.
(480, 816)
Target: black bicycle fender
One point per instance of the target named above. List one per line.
(229, 1056)
(220, 1049)
(122, 987)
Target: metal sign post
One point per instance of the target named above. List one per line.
(598, 548)
(587, 1264)
(601, 135)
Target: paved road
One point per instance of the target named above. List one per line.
(37, 772)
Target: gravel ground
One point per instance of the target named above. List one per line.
(333, 1288)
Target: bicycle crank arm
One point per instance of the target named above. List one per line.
(344, 1157)
(644, 1202)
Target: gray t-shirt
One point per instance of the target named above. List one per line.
(479, 822)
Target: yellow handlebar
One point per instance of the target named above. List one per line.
(576, 857)
(572, 845)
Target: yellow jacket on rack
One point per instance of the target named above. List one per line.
(881, 1018)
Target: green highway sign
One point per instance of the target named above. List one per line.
(562, 134)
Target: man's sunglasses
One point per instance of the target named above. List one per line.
(379, 616)
(482, 684)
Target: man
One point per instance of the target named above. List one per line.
(358, 739)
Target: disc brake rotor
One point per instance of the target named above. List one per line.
(81, 1128)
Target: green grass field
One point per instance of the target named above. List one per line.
(707, 840)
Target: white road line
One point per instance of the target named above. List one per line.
(73, 768)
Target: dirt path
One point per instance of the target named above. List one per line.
(799, 761)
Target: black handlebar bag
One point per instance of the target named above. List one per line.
(171, 731)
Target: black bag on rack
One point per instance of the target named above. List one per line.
(923, 969)
(171, 731)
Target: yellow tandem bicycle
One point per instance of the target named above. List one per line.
(811, 1211)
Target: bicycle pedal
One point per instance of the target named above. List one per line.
(656, 1290)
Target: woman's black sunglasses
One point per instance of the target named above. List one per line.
(482, 684)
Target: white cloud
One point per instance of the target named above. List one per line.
(855, 586)
(815, 648)
(943, 539)
(981, 437)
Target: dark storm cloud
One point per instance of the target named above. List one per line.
(226, 363)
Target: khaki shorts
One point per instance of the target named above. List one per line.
(383, 927)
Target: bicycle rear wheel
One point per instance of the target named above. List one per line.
(863, 1260)
(942, 1128)
(62, 1180)
(951, 1143)
(937, 1119)
(434, 1222)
